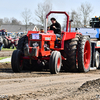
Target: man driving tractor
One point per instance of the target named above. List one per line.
(56, 27)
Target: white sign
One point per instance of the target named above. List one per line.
(47, 38)
(35, 36)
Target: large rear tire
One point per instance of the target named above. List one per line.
(70, 53)
(55, 62)
(16, 61)
(84, 54)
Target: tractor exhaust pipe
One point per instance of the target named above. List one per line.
(45, 25)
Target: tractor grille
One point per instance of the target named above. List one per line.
(37, 42)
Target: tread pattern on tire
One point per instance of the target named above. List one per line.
(21, 43)
(70, 50)
(15, 61)
(53, 62)
(81, 45)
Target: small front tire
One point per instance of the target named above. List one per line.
(16, 61)
(55, 62)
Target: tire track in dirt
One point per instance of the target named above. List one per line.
(32, 85)
(50, 87)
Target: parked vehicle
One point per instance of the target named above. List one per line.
(10, 40)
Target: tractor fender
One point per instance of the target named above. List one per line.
(67, 36)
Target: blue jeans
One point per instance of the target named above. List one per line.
(58, 36)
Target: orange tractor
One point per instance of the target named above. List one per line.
(36, 48)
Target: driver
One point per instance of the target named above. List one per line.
(56, 27)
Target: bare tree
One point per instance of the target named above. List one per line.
(1, 21)
(73, 15)
(42, 10)
(85, 10)
(65, 20)
(80, 16)
(14, 21)
(6, 20)
(26, 14)
(76, 19)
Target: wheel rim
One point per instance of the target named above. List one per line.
(87, 54)
(58, 63)
(97, 61)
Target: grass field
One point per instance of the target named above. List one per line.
(3, 58)
(8, 49)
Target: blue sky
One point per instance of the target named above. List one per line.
(14, 8)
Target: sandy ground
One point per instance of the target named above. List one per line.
(32, 85)
(5, 53)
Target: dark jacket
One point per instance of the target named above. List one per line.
(58, 26)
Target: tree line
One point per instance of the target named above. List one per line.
(80, 16)
(12, 20)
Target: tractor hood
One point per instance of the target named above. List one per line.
(36, 35)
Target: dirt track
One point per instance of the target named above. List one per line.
(5, 53)
(44, 86)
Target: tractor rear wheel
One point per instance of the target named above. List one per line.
(70, 52)
(16, 61)
(21, 43)
(55, 62)
(84, 54)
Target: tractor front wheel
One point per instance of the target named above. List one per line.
(84, 54)
(55, 62)
(16, 61)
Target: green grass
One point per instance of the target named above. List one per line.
(10, 49)
(3, 58)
